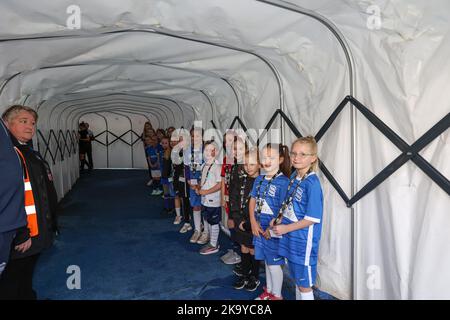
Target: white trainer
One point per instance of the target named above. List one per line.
(195, 237)
(177, 220)
(204, 238)
(186, 227)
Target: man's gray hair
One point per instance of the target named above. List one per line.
(14, 110)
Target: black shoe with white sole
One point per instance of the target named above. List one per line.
(252, 284)
(240, 283)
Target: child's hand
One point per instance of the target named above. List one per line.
(241, 226)
(280, 229)
(230, 223)
(256, 229)
(266, 234)
(224, 203)
(272, 223)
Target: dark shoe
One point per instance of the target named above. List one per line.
(240, 283)
(238, 270)
(252, 284)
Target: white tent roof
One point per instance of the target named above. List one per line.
(179, 61)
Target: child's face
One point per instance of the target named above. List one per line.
(165, 144)
(173, 142)
(302, 156)
(210, 153)
(251, 165)
(153, 141)
(148, 141)
(197, 138)
(270, 160)
(239, 151)
(229, 141)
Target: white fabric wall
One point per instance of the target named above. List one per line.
(401, 72)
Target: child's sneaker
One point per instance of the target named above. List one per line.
(233, 258)
(195, 236)
(252, 284)
(178, 221)
(265, 295)
(237, 270)
(185, 228)
(209, 249)
(204, 238)
(226, 255)
(157, 192)
(273, 297)
(240, 283)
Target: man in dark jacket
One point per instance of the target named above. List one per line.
(16, 282)
(12, 211)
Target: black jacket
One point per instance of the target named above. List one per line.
(236, 181)
(12, 212)
(167, 168)
(45, 198)
(179, 171)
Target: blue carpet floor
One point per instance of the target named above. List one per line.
(114, 231)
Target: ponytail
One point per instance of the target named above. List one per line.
(283, 151)
(285, 166)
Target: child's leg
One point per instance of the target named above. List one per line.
(177, 202)
(157, 183)
(276, 275)
(214, 235)
(186, 210)
(246, 261)
(254, 263)
(214, 218)
(268, 279)
(304, 288)
(197, 212)
(302, 293)
(206, 226)
(166, 196)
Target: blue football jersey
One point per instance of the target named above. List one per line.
(271, 194)
(302, 246)
(194, 165)
(153, 154)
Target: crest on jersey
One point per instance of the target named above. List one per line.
(272, 191)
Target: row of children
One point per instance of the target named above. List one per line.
(274, 216)
(156, 144)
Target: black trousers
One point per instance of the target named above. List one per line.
(16, 282)
(6, 238)
(186, 209)
(91, 163)
(89, 156)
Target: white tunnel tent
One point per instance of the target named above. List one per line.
(372, 97)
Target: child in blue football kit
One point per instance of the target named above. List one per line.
(267, 195)
(301, 218)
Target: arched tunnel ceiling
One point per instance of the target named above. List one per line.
(201, 59)
(302, 50)
(249, 69)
